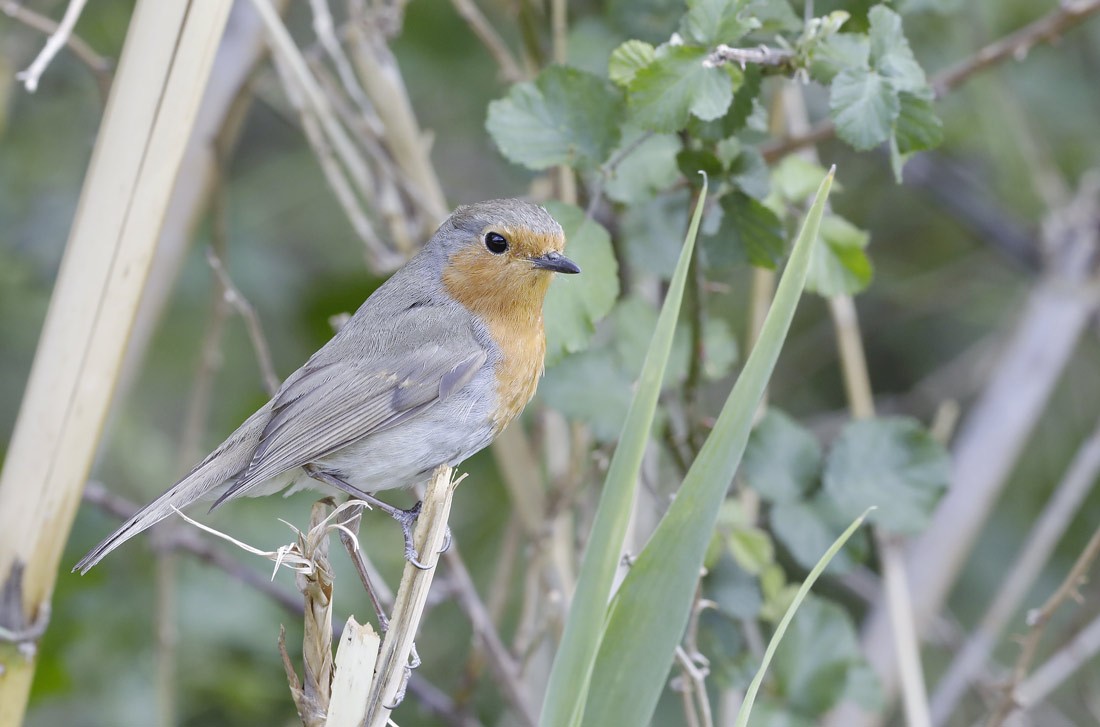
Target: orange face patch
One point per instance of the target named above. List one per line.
(506, 292)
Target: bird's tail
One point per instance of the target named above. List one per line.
(220, 467)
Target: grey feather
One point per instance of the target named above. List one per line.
(408, 356)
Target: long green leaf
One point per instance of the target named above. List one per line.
(650, 611)
(564, 702)
(803, 591)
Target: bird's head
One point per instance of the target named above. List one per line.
(501, 255)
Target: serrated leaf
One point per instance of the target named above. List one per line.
(750, 173)
(602, 401)
(863, 105)
(782, 461)
(754, 228)
(633, 321)
(743, 99)
(649, 232)
(839, 265)
(805, 529)
(628, 59)
(775, 16)
(575, 303)
(693, 161)
(709, 22)
(890, 53)
(648, 169)
(893, 463)
(565, 116)
(917, 127)
(839, 52)
(676, 85)
(812, 662)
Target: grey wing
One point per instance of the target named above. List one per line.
(332, 405)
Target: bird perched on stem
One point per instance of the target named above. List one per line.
(428, 371)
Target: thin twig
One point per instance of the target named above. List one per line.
(487, 34)
(1063, 507)
(1059, 667)
(1037, 620)
(760, 56)
(503, 665)
(1015, 46)
(251, 320)
(58, 40)
(99, 65)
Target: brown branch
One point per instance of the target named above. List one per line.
(1048, 28)
(487, 34)
(1037, 621)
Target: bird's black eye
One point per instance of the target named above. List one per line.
(495, 242)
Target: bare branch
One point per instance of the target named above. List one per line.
(100, 66)
(760, 56)
(487, 34)
(1038, 620)
(58, 40)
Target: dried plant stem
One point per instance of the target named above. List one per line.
(156, 95)
(1033, 555)
(1038, 620)
(392, 669)
(487, 34)
(54, 44)
(857, 382)
(100, 66)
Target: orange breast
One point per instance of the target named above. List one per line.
(507, 298)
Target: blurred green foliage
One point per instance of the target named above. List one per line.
(941, 288)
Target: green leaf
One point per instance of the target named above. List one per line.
(795, 178)
(839, 265)
(576, 302)
(782, 460)
(565, 116)
(649, 232)
(720, 348)
(743, 100)
(734, 589)
(774, 16)
(656, 596)
(917, 127)
(710, 22)
(757, 229)
(839, 52)
(634, 321)
(693, 161)
(751, 548)
(648, 169)
(781, 629)
(628, 59)
(893, 463)
(603, 400)
(863, 106)
(890, 53)
(573, 664)
(750, 173)
(805, 528)
(813, 661)
(676, 85)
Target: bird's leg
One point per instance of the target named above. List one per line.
(405, 518)
(350, 520)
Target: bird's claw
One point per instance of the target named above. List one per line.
(407, 518)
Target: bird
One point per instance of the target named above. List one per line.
(428, 371)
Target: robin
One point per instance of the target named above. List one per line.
(429, 370)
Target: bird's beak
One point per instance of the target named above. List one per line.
(555, 262)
